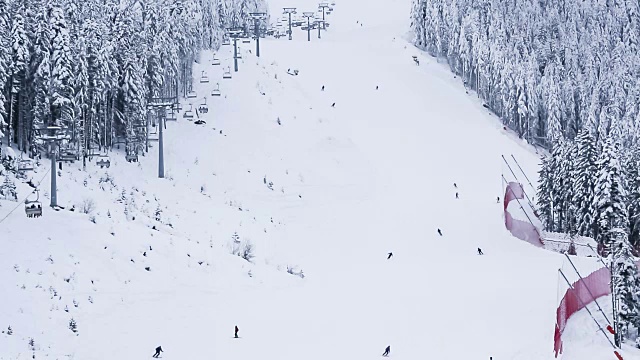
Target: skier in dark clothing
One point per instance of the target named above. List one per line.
(236, 334)
(376, 87)
(457, 197)
(480, 252)
(389, 256)
(498, 200)
(322, 88)
(455, 185)
(158, 351)
(387, 351)
(333, 105)
(440, 232)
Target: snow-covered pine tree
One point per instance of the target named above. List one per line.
(61, 72)
(584, 184)
(41, 69)
(626, 283)
(545, 193)
(4, 64)
(8, 189)
(609, 197)
(19, 59)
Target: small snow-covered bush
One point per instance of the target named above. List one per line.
(8, 189)
(73, 326)
(87, 206)
(247, 251)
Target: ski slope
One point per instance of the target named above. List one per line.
(372, 175)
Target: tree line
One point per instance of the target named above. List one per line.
(564, 75)
(91, 66)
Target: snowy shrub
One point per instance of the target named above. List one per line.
(87, 206)
(8, 189)
(158, 213)
(73, 326)
(292, 270)
(8, 160)
(247, 251)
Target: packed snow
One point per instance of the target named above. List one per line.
(322, 193)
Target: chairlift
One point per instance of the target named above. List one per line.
(292, 72)
(204, 78)
(33, 208)
(215, 61)
(25, 165)
(238, 55)
(203, 108)
(216, 90)
(227, 73)
(176, 107)
(188, 114)
(103, 160)
(246, 41)
(192, 94)
(132, 157)
(67, 155)
(226, 42)
(171, 116)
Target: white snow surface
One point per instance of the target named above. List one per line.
(373, 175)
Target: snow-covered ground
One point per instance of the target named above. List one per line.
(372, 175)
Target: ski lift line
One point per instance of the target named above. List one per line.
(20, 203)
(588, 290)
(584, 306)
(514, 175)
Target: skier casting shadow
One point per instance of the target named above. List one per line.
(158, 351)
(236, 333)
(387, 351)
(389, 256)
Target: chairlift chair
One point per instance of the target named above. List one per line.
(171, 116)
(204, 78)
(216, 90)
(203, 108)
(246, 41)
(25, 165)
(226, 42)
(103, 161)
(192, 94)
(215, 61)
(67, 155)
(227, 73)
(188, 114)
(33, 208)
(132, 157)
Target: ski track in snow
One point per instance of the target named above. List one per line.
(374, 174)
